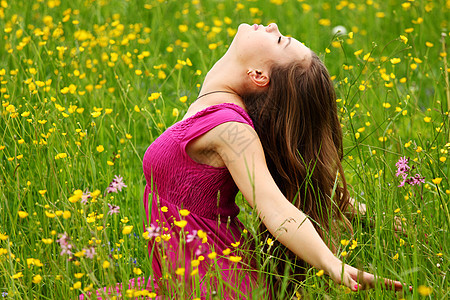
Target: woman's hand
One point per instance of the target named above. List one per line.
(358, 280)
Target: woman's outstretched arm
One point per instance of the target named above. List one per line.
(240, 148)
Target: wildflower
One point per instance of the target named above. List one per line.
(184, 212)
(226, 251)
(116, 185)
(424, 290)
(344, 253)
(66, 214)
(153, 231)
(77, 285)
(269, 242)
(17, 275)
(64, 244)
(37, 279)
(164, 209)
(191, 236)
(212, 255)
(201, 234)
(113, 209)
(181, 223)
(320, 273)
(89, 252)
(47, 241)
(437, 180)
(235, 259)
(100, 148)
(235, 245)
(22, 214)
(106, 264)
(395, 257)
(127, 229)
(137, 271)
(180, 271)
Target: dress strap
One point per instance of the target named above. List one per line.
(212, 116)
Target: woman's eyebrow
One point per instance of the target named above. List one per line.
(289, 41)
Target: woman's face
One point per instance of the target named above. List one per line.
(262, 46)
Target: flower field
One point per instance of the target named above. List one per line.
(87, 85)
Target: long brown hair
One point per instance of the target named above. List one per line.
(297, 122)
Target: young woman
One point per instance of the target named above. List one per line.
(266, 123)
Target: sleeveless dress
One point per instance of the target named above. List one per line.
(191, 211)
(193, 230)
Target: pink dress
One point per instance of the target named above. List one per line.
(208, 193)
(185, 250)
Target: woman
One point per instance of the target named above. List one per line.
(266, 123)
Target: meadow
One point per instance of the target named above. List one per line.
(87, 85)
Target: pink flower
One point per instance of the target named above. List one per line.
(89, 252)
(113, 209)
(153, 231)
(116, 185)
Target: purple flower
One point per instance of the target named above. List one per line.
(403, 170)
(116, 185)
(113, 209)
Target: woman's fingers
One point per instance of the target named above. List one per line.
(367, 280)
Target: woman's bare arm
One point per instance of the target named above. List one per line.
(240, 148)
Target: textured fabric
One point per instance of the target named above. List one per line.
(174, 182)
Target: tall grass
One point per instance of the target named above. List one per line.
(87, 85)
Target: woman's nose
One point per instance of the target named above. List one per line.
(272, 27)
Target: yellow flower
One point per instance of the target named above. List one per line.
(37, 279)
(78, 275)
(77, 285)
(50, 215)
(183, 99)
(344, 253)
(47, 241)
(395, 257)
(195, 263)
(184, 212)
(402, 242)
(137, 271)
(320, 273)
(235, 259)
(180, 271)
(395, 60)
(22, 214)
(427, 119)
(106, 264)
(42, 192)
(194, 272)
(345, 242)
(397, 210)
(181, 223)
(17, 276)
(362, 87)
(212, 255)
(66, 214)
(437, 180)
(269, 242)
(100, 148)
(235, 245)
(127, 229)
(226, 251)
(164, 209)
(424, 290)
(128, 136)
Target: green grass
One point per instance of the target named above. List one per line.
(63, 60)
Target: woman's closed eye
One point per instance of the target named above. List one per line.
(279, 39)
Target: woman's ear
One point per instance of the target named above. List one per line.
(260, 78)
